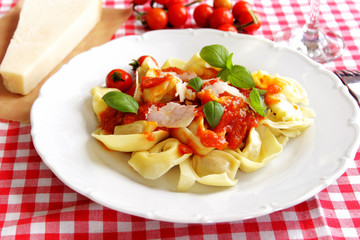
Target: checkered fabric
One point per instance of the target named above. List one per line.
(35, 204)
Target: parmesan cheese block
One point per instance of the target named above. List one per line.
(47, 31)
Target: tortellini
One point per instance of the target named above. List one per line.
(158, 160)
(163, 92)
(173, 126)
(188, 135)
(218, 168)
(130, 142)
(261, 147)
(97, 103)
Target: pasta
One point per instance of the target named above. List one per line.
(192, 116)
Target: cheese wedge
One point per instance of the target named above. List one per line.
(47, 31)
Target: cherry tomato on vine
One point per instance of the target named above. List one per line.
(247, 19)
(228, 28)
(219, 17)
(177, 15)
(120, 79)
(139, 2)
(162, 2)
(222, 3)
(255, 25)
(174, 2)
(241, 8)
(156, 18)
(201, 15)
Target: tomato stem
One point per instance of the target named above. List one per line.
(139, 16)
(254, 21)
(116, 77)
(191, 3)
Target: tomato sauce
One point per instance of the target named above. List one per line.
(272, 86)
(205, 97)
(148, 82)
(110, 118)
(233, 127)
(144, 109)
(184, 149)
(208, 73)
(271, 90)
(150, 136)
(211, 138)
(173, 69)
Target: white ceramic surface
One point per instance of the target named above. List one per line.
(62, 121)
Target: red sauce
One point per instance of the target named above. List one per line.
(271, 90)
(148, 82)
(205, 97)
(129, 118)
(173, 69)
(110, 118)
(272, 86)
(233, 127)
(184, 149)
(208, 73)
(149, 136)
(211, 138)
(144, 109)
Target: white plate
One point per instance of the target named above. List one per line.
(62, 121)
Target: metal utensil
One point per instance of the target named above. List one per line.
(351, 79)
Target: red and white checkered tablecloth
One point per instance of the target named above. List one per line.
(35, 204)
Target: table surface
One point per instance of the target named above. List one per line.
(35, 203)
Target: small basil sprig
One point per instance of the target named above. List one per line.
(257, 101)
(121, 102)
(213, 112)
(196, 83)
(218, 56)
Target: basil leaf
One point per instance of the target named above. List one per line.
(240, 77)
(196, 83)
(229, 62)
(121, 102)
(257, 103)
(262, 92)
(213, 112)
(216, 55)
(223, 74)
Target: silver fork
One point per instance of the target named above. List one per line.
(351, 79)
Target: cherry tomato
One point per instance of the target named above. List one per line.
(177, 15)
(156, 18)
(174, 2)
(255, 25)
(222, 3)
(228, 28)
(142, 58)
(162, 2)
(131, 91)
(248, 19)
(201, 15)
(219, 17)
(139, 2)
(118, 78)
(137, 63)
(241, 8)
